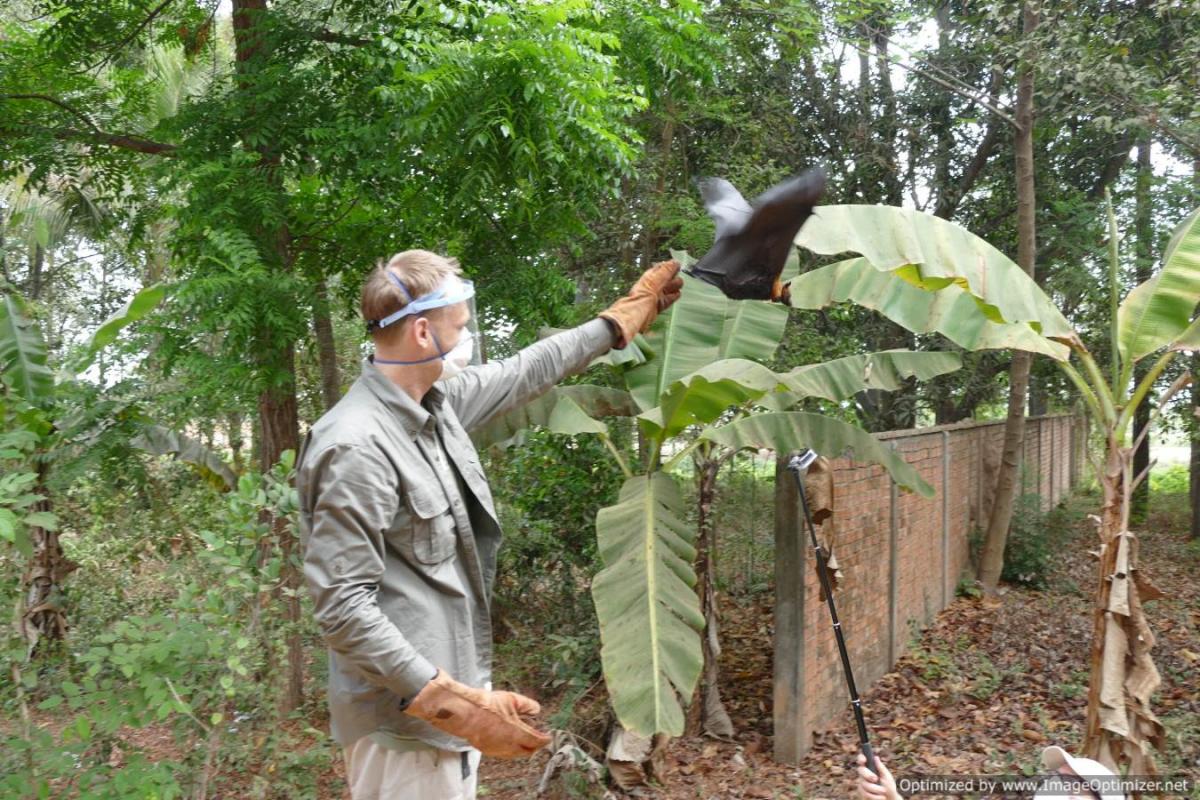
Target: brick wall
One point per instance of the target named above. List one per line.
(901, 554)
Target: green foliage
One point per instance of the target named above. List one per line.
(1035, 541)
(1170, 480)
(646, 604)
(933, 255)
(549, 489)
(191, 655)
(20, 499)
(22, 352)
(141, 304)
(789, 431)
(1159, 311)
(1031, 546)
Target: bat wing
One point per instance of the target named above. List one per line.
(780, 211)
(725, 204)
(753, 242)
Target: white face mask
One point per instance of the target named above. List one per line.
(458, 359)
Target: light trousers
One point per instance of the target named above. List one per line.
(375, 772)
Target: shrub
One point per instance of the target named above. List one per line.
(1170, 480)
(1034, 539)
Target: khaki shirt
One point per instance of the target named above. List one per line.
(400, 532)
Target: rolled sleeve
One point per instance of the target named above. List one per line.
(480, 393)
(348, 506)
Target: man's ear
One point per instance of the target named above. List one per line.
(420, 331)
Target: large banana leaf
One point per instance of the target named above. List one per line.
(1159, 310)
(23, 352)
(797, 430)
(842, 378)
(138, 306)
(753, 328)
(933, 253)
(160, 441)
(951, 311)
(702, 327)
(649, 613)
(702, 396)
(564, 409)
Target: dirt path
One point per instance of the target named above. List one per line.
(985, 688)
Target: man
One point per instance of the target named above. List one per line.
(1067, 778)
(401, 534)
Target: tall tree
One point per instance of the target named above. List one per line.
(1008, 476)
(469, 124)
(1143, 227)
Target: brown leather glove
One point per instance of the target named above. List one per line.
(490, 721)
(653, 293)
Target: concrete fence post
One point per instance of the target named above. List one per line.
(945, 518)
(789, 700)
(1053, 463)
(1041, 427)
(1071, 477)
(893, 566)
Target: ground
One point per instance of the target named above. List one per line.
(981, 691)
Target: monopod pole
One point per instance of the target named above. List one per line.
(797, 465)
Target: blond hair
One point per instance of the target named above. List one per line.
(419, 270)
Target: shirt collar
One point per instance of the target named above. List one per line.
(412, 415)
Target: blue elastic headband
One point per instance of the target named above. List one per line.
(438, 298)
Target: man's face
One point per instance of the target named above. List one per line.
(451, 324)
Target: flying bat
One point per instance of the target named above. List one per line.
(753, 242)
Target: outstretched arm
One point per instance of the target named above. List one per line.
(480, 393)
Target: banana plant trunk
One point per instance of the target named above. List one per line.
(42, 621)
(1123, 676)
(1194, 460)
(707, 714)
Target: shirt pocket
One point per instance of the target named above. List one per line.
(430, 531)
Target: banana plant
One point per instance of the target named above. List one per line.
(700, 395)
(704, 389)
(929, 275)
(37, 422)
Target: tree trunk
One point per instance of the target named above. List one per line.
(277, 412)
(1039, 400)
(36, 265)
(942, 121)
(331, 384)
(280, 432)
(43, 621)
(650, 235)
(706, 713)
(991, 563)
(1144, 230)
(887, 121)
(1194, 462)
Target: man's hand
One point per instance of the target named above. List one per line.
(653, 293)
(491, 721)
(878, 785)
